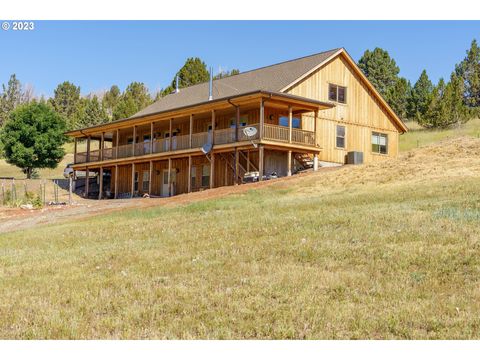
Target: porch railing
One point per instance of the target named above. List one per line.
(222, 136)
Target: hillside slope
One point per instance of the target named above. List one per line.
(388, 250)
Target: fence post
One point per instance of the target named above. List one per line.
(3, 192)
(25, 188)
(70, 180)
(14, 191)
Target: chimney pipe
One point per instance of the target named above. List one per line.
(210, 87)
(176, 85)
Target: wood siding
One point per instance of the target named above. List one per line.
(361, 115)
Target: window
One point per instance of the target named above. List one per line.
(242, 123)
(146, 181)
(194, 177)
(206, 175)
(340, 138)
(283, 121)
(337, 93)
(379, 143)
(135, 188)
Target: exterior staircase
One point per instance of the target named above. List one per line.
(305, 161)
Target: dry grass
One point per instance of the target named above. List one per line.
(389, 250)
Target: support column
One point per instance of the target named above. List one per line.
(87, 182)
(290, 121)
(134, 139)
(315, 162)
(150, 178)
(248, 160)
(260, 162)
(213, 127)
(116, 181)
(189, 186)
(117, 142)
(75, 151)
(169, 177)
(289, 163)
(88, 148)
(212, 171)
(170, 136)
(102, 139)
(237, 121)
(133, 180)
(235, 181)
(190, 133)
(100, 183)
(151, 137)
(316, 128)
(262, 119)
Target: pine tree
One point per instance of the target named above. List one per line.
(10, 98)
(193, 72)
(226, 73)
(398, 97)
(135, 98)
(420, 98)
(111, 99)
(469, 72)
(91, 113)
(380, 69)
(66, 101)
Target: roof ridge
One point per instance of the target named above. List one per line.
(260, 68)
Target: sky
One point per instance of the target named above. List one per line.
(97, 54)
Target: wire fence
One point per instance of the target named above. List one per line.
(35, 193)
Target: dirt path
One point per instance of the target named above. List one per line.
(14, 219)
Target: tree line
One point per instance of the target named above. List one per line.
(440, 105)
(32, 129)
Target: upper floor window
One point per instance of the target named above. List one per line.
(340, 137)
(379, 143)
(283, 121)
(337, 93)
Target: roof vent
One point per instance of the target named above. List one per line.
(210, 85)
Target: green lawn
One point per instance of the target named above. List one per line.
(389, 250)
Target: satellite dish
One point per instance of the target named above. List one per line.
(250, 131)
(206, 148)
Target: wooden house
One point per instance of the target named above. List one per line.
(306, 112)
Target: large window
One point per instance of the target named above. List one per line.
(206, 175)
(379, 143)
(135, 187)
(283, 121)
(337, 93)
(340, 137)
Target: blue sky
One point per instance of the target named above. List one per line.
(97, 54)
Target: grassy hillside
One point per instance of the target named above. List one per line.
(389, 250)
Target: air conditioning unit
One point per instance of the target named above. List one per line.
(355, 157)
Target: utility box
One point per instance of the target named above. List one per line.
(355, 157)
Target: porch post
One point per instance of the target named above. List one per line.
(87, 182)
(212, 170)
(134, 138)
(248, 160)
(262, 119)
(237, 121)
(100, 188)
(189, 182)
(260, 162)
(75, 150)
(169, 176)
(151, 137)
(315, 162)
(289, 163)
(190, 132)
(235, 180)
(316, 127)
(290, 121)
(88, 148)
(117, 142)
(170, 139)
(213, 127)
(150, 177)
(102, 139)
(116, 181)
(133, 180)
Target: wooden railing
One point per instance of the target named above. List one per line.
(275, 132)
(222, 136)
(303, 137)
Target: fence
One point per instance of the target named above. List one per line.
(36, 192)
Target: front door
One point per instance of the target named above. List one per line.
(165, 187)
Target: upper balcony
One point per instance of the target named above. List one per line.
(279, 123)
